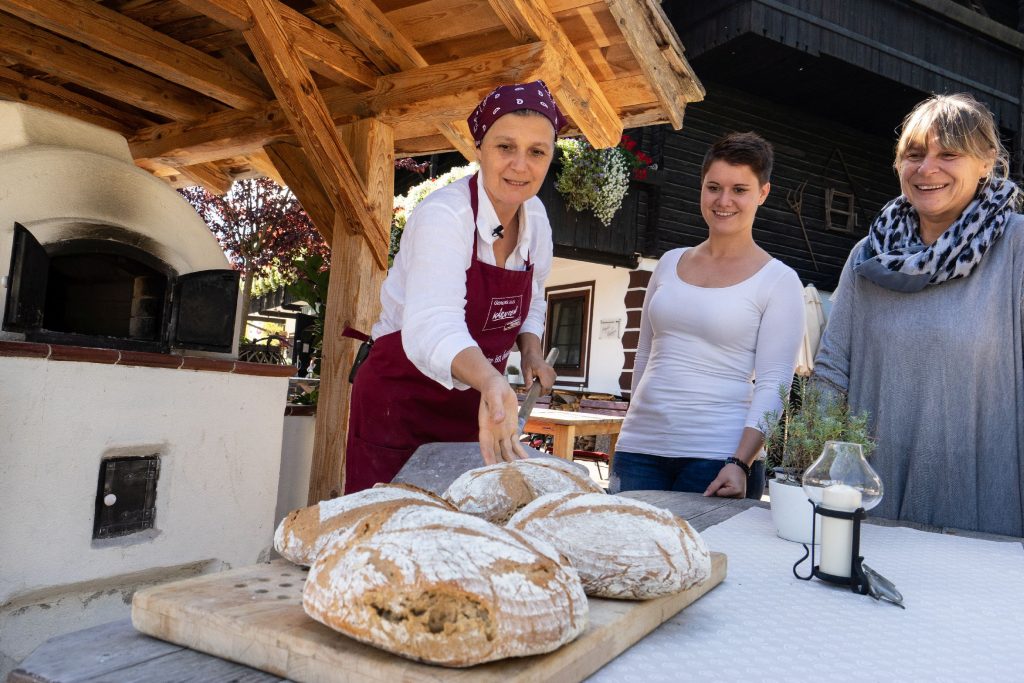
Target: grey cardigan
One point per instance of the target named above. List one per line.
(941, 372)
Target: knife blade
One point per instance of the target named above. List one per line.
(534, 393)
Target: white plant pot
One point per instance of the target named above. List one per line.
(792, 513)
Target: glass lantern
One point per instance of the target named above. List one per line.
(841, 487)
(843, 464)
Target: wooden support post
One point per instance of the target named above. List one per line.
(353, 299)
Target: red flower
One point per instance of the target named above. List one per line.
(640, 173)
(628, 143)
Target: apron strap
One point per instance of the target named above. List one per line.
(352, 333)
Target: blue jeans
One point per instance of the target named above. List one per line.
(641, 472)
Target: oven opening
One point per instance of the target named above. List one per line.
(109, 294)
(105, 290)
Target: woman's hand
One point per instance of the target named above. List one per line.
(731, 482)
(531, 358)
(535, 366)
(498, 419)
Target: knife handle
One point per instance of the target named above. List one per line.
(534, 393)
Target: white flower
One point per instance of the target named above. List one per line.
(595, 179)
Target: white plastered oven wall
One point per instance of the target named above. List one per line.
(219, 440)
(64, 179)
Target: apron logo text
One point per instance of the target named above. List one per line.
(504, 313)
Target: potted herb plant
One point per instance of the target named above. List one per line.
(794, 439)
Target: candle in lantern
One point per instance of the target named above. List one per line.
(837, 534)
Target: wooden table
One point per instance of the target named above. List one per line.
(565, 426)
(116, 651)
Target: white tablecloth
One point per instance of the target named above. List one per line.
(964, 618)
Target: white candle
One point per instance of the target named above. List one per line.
(837, 534)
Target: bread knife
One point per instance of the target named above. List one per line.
(534, 393)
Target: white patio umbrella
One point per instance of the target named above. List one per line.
(814, 326)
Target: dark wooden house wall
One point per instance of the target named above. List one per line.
(807, 149)
(926, 45)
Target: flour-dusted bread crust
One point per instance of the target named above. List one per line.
(302, 533)
(622, 548)
(445, 588)
(496, 492)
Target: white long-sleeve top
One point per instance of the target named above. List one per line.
(700, 349)
(424, 294)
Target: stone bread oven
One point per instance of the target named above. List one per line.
(134, 448)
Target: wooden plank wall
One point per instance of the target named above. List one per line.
(901, 41)
(803, 145)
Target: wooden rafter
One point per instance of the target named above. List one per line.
(438, 93)
(311, 120)
(297, 173)
(575, 90)
(262, 163)
(209, 176)
(19, 88)
(658, 51)
(104, 29)
(72, 62)
(324, 52)
(377, 37)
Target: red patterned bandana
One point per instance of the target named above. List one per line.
(509, 98)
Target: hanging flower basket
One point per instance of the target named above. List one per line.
(598, 179)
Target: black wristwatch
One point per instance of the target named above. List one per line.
(739, 463)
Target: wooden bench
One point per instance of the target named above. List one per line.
(599, 407)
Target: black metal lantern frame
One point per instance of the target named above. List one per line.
(862, 579)
(857, 581)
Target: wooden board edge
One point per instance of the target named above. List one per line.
(575, 661)
(568, 664)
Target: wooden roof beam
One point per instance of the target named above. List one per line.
(367, 27)
(70, 61)
(657, 49)
(215, 180)
(307, 112)
(19, 88)
(324, 52)
(439, 93)
(290, 162)
(89, 22)
(575, 89)
(263, 164)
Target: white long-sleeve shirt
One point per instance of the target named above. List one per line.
(699, 351)
(424, 294)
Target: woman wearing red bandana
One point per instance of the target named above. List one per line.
(466, 286)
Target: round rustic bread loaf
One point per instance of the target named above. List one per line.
(496, 492)
(445, 588)
(302, 532)
(622, 548)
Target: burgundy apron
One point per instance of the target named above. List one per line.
(396, 408)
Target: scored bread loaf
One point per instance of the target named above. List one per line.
(622, 548)
(445, 588)
(496, 492)
(302, 532)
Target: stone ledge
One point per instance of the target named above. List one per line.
(83, 354)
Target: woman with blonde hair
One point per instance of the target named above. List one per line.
(927, 327)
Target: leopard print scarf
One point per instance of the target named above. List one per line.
(894, 247)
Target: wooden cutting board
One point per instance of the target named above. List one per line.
(254, 616)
